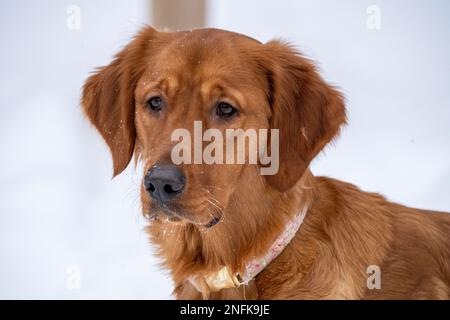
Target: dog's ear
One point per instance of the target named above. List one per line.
(307, 111)
(108, 98)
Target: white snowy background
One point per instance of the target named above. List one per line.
(61, 216)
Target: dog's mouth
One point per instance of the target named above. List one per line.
(213, 222)
(177, 215)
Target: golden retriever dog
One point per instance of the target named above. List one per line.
(226, 231)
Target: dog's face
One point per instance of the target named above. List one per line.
(162, 82)
(196, 76)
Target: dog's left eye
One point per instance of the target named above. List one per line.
(155, 103)
(225, 110)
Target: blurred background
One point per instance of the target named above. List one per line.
(68, 231)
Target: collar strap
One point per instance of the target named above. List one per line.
(224, 278)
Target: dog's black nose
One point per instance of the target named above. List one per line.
(164, 182)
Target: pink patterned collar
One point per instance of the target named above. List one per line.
(224, 278)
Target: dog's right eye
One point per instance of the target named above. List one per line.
(155, 103)
(226, 111)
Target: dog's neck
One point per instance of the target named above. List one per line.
(226, 279)
(248, 231)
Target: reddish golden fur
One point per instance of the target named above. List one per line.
(345, 229)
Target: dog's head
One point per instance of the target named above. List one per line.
(208, 79)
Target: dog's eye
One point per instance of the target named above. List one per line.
(225, 110)
(155, 103)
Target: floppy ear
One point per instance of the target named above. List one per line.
(108, 98)
(307, 111)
